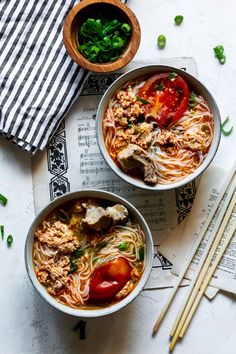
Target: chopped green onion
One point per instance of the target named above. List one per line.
(63, 216)
(3, 199)
(95, 259)
(226, 132)
(140, 99)
(129, 125)
(78, 253)
(179, 19)
(222, 59)
(73, 265)
(122, 246)
(141, 253)
(103, 40)
(117, 42)
(161, 41)
(126, 28)
(2, 231)
(172, 76)
(159, 87)
(192, 100)
(219, 53)
(9, 240)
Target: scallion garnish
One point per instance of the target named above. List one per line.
(122, 246)
(2, 231)
(192, 100)
(172, 76)
(226, 132)
(141, 253)
(63, 216)
(102, 40)
(178, 19)
(141, 99)
(219, 53)
(9, 240)
(161, 41)
(73, 265)
(159, 87)
(78, 253)
(3, 199)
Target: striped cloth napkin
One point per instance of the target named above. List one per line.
(38, 80)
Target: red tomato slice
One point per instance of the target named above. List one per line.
(168, 105)
(109, 279)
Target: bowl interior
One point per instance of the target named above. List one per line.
(193, 83)
(135, 215)
(98, 11)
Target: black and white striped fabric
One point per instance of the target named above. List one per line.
(38, 80)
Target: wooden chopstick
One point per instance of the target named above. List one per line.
(207, 279)
(181, 324)
(217, 228)
(190, 257)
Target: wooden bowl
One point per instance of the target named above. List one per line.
(92, 8)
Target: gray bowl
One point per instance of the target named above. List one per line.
(196, 85)
(135, 215)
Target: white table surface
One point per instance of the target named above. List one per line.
(27, 324)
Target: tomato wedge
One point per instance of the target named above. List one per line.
(109, 279)
(167, 96)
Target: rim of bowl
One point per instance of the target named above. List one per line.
(93, 193)
(129, 52)
(148, 70)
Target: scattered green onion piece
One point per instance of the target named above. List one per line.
(126, 28)
(161, 41)
(222, 59)
(219, 52)
(73, 265)
(9, 240)
(179, 19)
(226, 132)
(192, 101)
(63, 216)
(2, 231)
(3, 199)
(78, 253)
(141, 253)
(117, 42)
(122, 246)
(172, 76)
(129, 125)
(114, 56)
(140, 99)
(95, 259)
(159, 87)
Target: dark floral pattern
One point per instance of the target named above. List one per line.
(184, 199)
(58, 164)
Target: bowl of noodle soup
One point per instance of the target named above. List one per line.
(89, 253)
(158, 127)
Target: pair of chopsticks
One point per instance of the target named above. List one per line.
(206, 266)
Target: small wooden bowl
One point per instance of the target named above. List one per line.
(92, 9)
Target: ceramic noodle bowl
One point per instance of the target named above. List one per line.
(89, 253)
(158, 127)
